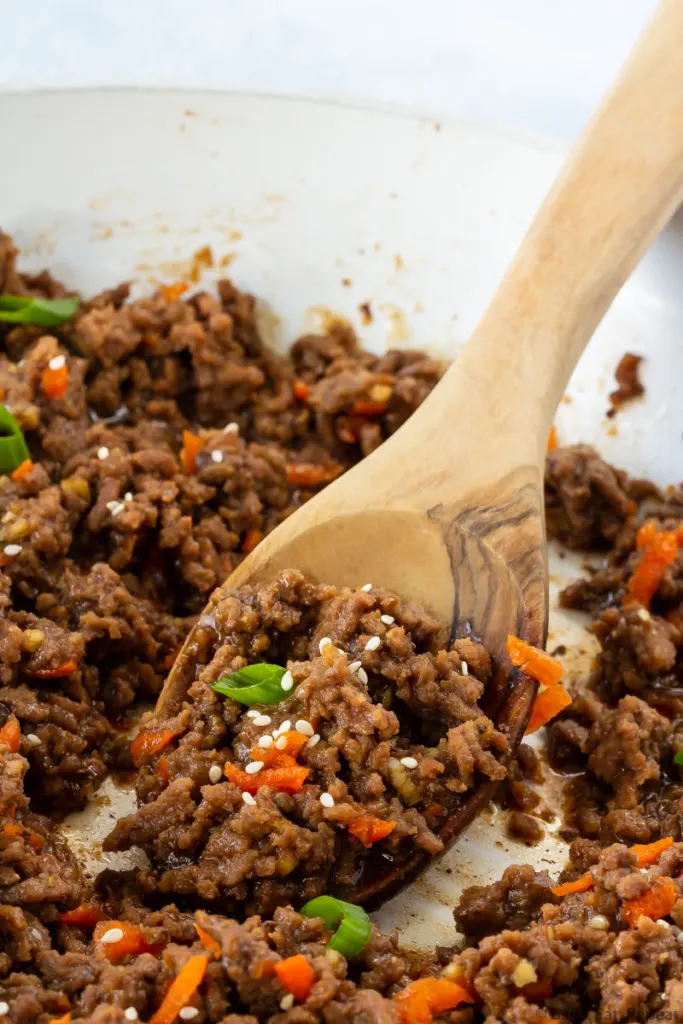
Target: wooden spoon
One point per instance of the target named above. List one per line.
(449, 511)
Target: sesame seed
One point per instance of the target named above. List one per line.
(355, 665)
(115, 507)
(304, 727)
(644, 614)
(323, 643)
(388, 620)
(679, 938)
(664, 923)
(215, 773)
(287, 681)
(362, 675)
(599, 922)
(287, 1002)
(263, 720)
(128, 496)
(33, 739)
(103, 452)
(373, 643)
(285, 727)
(327, 800)
(281, 743)
(13, 549)
(253, 714)
(188, 1012)
(231, 428)
(368, 586)
(57, 362)
(464, 668)
(216, 456)
(4, 1008)
(130, 1013)
(254, 767)
(314, 740)
(248, 799)
(265, 742)
(409, 762)
(111, 936)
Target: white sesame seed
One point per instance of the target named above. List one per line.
(263, 720)
(409, 762)
(285, 727)
(33, 739)
(644, 614)
(128, 496)
(368, 586)
(323, 643)
(304, 727)
(464, 668)
(111, 936)
(287, 681)
(254, 767)
(12, 549)
(4, 1008)
(57, 362)
(314, 740)
(265, 742)
(362, 675)
(253, 714)
(599, 922)
(664, 923)
(130, 1013)
(388, 620)
(679, 938)
(216, 456)
(281, 743)
(188, 1012)
(231, 428)
(115, 507)
(373, 643)
(103, 452)
(215, 773)
(248, 799)
(327, 800)
(287, 1002)
(355, 665)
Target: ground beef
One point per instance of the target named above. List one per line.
(628, 382)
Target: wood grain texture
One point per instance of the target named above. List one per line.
(449, 511)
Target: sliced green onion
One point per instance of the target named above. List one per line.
(13, 447)
(19, 309)
(354, 924)
(255, 684)
(678, 759)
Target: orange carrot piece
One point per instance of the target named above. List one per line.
(533, 662)
(311, 474)
(552, 440)
(657, 556)
(419, 1001)
(131, 943)
(657, 902)
(648, 853)
(251, 539)
(87, 915)
(22, 471)
(162, 769)
(146, 744)
(64, 1019)
(65, 669)
(646, 534)
(55, 382)
(170, 659)
(547, 706)
(210, 944)
(192, 445)
(182, 988)
(537, 991)
(297, 976)
(582, 884)
(35, 841)
(300, 389)
(369, 829)
(10, 734)
(13, 829)
(368, 408)
(288, 779)
(272, 757)
(169, 292)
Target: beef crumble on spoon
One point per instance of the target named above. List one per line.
(152, 443)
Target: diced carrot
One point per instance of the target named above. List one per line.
(648, 853)
(35, 841)
(368, 408)
(537, 991)
(419, 1001)
(65, 669)
(208, 942)
(309, 474)
(657, 902)
(87, 915)
(181, 990)
(10, 734)
(552, 439)
(192, 445)
(547, 706)
(169, 292)
(646, 534)
(162, 769)
(22, 471)
(13, 829)
(436, 810)
(658, 554)
(251, 539)
(289, 779)
(300, 389)
(55, 382)
(297, 976)
(533, 662)
(131, 943)
(369, 829)
(64, 1019)
(170, 660)
(280, 758)
(146, 744)
(582, 884)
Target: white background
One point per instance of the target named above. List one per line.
(538, 65)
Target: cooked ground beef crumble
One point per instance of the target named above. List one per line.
(112, 545)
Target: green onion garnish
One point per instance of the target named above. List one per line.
(13, 447)
(255, 684)
(354, 924)
(18, 309)
(678, 759)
